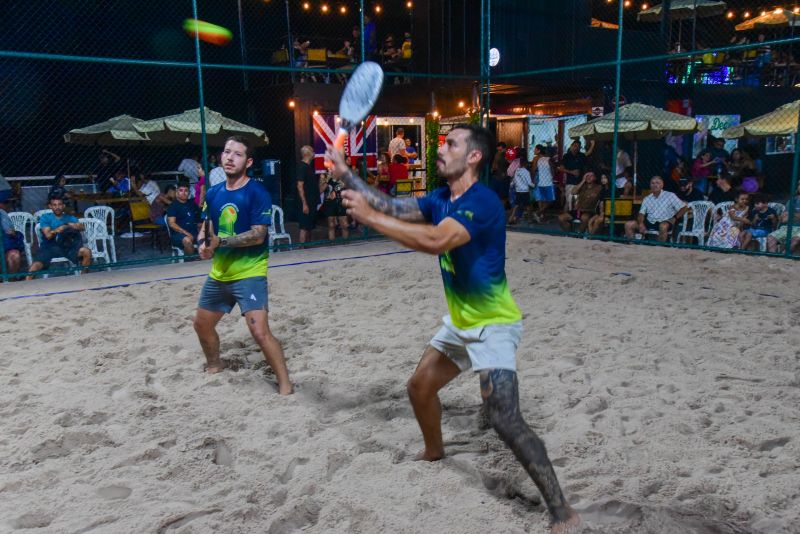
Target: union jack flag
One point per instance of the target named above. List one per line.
(325, 127)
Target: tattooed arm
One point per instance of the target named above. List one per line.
(254, 236)
(405, 209)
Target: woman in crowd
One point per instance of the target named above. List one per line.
(726, 232)
(701, 170)
(597, 221)
(777, 239)
(522, 185)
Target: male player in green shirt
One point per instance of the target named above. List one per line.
(239, 211)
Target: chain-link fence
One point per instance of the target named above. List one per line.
(100, 99)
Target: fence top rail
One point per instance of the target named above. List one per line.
(49, 178)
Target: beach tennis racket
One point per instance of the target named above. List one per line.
(360, 94)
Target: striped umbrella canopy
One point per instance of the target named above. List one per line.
(781, 121)
(115, 131)
(684, 9)
(185, 128)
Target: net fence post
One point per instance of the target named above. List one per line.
(3, 269)
(790, 208)
(615, 141)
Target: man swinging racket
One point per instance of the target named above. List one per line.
(464, 224)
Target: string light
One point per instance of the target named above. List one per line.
(763, 13)
(778, 10)
(306, 6)
(644, 7)
(627, 3)
(435, 114)
(342, 10)
(461, 104)
(324, 8)
(291, 104)
(377, 8)
(746, 14)
(796, 10)
(409, 4)
(730, 14)
(315, 112)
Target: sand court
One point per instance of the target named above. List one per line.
(664, 383)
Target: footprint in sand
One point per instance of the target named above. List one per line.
(114, 492)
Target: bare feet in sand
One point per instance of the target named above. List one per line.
(214, 368)
(568, 525)
(424, 456)
(285, 389)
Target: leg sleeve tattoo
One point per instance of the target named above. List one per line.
(405, 209)
(500, 394)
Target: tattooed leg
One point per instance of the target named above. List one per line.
(500, 394)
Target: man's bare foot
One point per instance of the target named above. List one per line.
(285, 389)
(425, 456)
(568, 525)
(214, 368)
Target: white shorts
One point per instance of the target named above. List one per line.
(492, 346)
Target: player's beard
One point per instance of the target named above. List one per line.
(237, 173)
(454, 169)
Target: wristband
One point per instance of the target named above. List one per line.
(223, 241)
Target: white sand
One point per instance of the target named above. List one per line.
(668, 400)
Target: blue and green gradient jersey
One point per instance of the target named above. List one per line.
(232, 213)
(474, 274)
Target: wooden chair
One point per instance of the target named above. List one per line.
(140, 220)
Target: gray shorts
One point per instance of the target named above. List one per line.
(250, 294)
(492, 346)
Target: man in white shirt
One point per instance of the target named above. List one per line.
(660, 211)
(398, 144)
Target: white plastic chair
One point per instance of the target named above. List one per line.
(105, 214)
(700, 210)
(277, 230)
(23, 223)
(95, 232)
(38, 214)
(61, 259)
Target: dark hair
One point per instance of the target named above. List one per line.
(501, 145)
(399, 159)
(183, 183)
(760, 197)
(248, 150)
(480, 139)
(57, 178)
(170, 187)
(399, 131)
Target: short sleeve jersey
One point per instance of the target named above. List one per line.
(187, 214)
(474, 276)
(49, 220)
(232, 213)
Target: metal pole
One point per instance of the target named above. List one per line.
(486, 59)
(243, 47)
(290, 50)
(483, 54)
(361, 22)
(615, 144)
(200, 96)
(3, 268)
(792, 194)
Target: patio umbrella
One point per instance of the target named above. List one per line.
(771, 19)
(185, 128)
(681, 10)
(636, 122)
(782, 121)
(115, 131)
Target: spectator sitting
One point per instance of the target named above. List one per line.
(778, 237)
(597, 221)
(158, 209)
(660, 211)
(58, 189)
(383, 172)
(104, 171)
(398, 170)
(147, 188)
(723, 190)
(409, 152)
(390, 55)
(727, 231)
(763, 220)
(183, 218)
(740, 165)
(588, 192)
(61, 237)
(120, 184)
(13, 241)
(622, 178)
